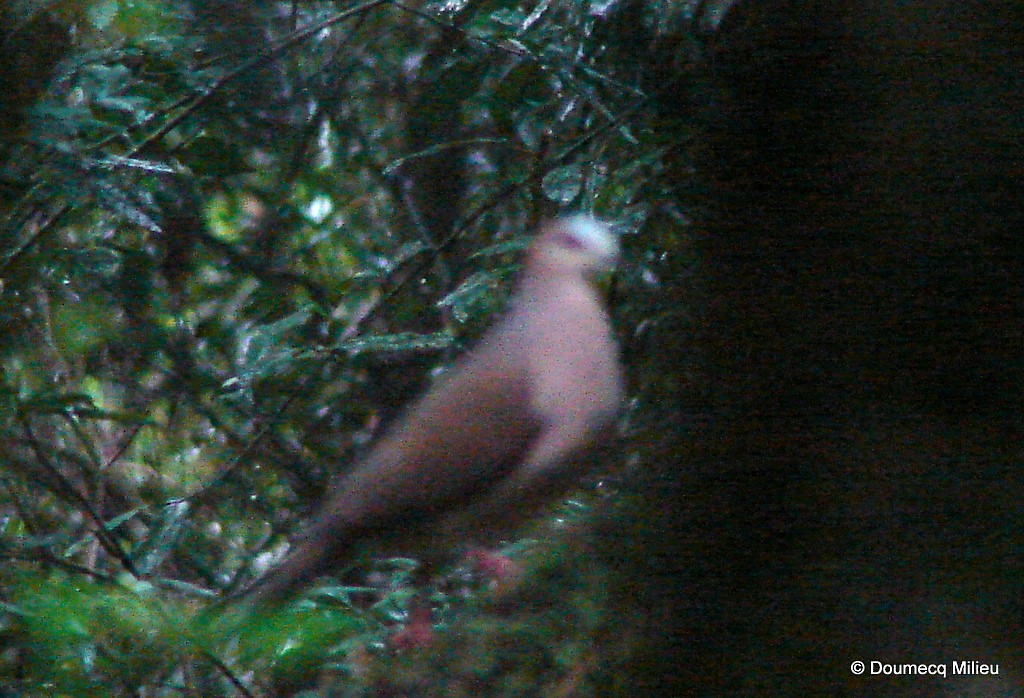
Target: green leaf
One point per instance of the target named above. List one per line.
(215, 157)
(514, 246)
(80, 327)
(401, 341)
(56, 403)
(263, 351)
(102, 14)
(476, 291)
(563, 184)
(526, 84)
(164, 536)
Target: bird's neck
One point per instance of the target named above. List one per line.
(541, 288)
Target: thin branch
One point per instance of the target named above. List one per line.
(247, 263)
(318, 118)
(289, 42)
(59, 562)
(517, 50)
(123, 448)
(429, 256)
(205, 491)
(41, 229)
(173, 619)
(69, 490)
(19, 506)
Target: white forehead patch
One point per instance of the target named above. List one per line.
(593, 235)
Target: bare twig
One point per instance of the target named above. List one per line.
(76, 497)
(296, 38)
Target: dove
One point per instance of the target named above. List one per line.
(500, 436)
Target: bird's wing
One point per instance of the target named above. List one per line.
(465, 434)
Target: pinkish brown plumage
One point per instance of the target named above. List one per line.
(497, 438)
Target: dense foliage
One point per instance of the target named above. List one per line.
(235, 236)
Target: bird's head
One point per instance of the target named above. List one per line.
(579, 244)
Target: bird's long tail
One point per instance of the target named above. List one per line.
(301, 567)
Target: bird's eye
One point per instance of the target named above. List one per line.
(571, 242)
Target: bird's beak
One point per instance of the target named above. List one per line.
(609, 259)
(604, 269)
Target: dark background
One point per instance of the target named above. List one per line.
(851, 488)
